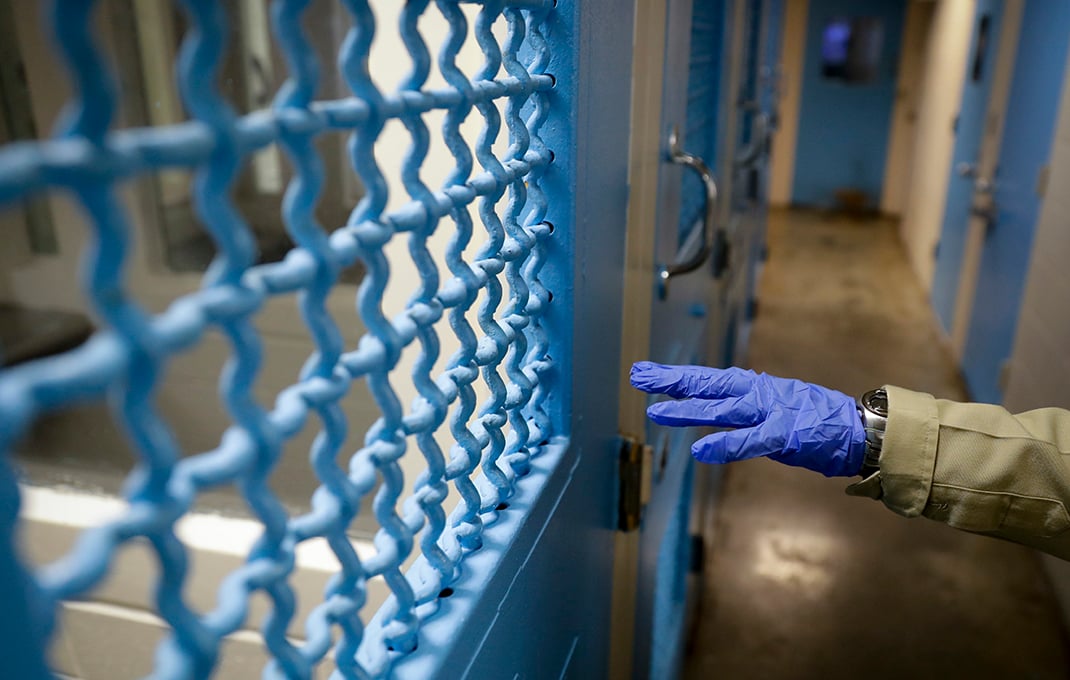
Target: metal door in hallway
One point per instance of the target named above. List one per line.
(489, 487)
(1016, 195)
(692, 245)
(971, 126)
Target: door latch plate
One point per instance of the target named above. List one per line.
(630, 484)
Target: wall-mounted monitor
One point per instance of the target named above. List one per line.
(851, 49)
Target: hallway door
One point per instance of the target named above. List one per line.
(1017, 194)
(966, 159)
(758, 97)
(687, 315)
(680, 275)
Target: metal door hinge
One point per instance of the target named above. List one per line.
(1042, 181)
(1004, 379)
(631, 496)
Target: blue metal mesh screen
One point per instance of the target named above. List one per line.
(507, 349)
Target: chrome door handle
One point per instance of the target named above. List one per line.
(709, 226)
(754, 151)
(981, 185)
(966, 169)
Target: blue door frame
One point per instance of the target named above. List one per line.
(1028, 133)
(23, 628)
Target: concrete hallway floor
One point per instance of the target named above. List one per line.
(807, 582)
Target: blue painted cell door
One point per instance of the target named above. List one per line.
(684, 314)
(497, 564)
(1017, 194)
(969, 134)
(757, 100)
(691, 315)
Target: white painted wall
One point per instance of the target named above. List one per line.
(905, 111)
(945, 68)
(1040, 363)
(782, 156)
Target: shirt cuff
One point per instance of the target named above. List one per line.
(908, 456)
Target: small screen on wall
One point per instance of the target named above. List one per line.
(851, 49)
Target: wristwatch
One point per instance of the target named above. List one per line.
(873, 409)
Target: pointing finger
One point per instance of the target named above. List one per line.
(691, 381)
(734, 412)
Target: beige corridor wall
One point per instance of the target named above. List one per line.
(897, 170)
(792, 49)
(946, 53)
(1040, 362)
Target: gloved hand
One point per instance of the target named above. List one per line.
(790, 421)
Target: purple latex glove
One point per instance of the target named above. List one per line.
(790, 421)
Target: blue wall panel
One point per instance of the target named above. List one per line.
(843, 129)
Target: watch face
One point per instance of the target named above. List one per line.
(876, 401)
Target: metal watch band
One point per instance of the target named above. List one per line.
(873, 409)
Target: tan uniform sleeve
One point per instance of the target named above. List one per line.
(978, 468)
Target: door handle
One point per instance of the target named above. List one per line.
(986, 212)
(981, 185)
(966, 169)
(710, 233)
(754, 151)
